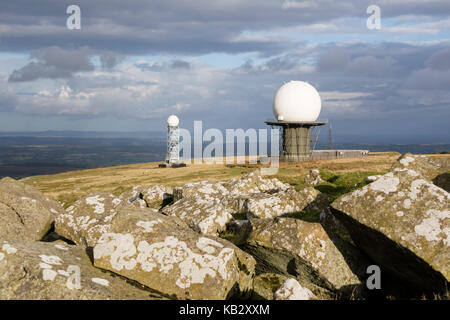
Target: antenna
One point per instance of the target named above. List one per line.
(330, 138)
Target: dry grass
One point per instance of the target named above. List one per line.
(69, 186)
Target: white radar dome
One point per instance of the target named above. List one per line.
(173, 121)
(297, 101)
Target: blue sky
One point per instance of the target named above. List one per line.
(134, 63)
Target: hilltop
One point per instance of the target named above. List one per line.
(373, 227)
(342, 175)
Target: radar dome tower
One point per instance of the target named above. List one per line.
(173, 137)
(296, 107)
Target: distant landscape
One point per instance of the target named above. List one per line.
(25, 154)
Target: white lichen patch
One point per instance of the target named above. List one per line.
(49, 274)
(399, 214)
(386, 184)
(407, 203)
(61, 247)
(292, 290)
(148, 225)
(97, 203)
(171, 254)
(433, 227)
(8, 249)
(53, 260)
(405, 161)
(100, 281)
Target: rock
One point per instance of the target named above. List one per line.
(265, 205)
(292, 290)
(265, 285)
(313, 178)
(335, 260)
(406, 216)
(134, 197)
(204, 216)
(206, 190)
(254, 183)
(157, 196)
(89, 218)
(153, 197)
(271, 286)
(373, 178)
(421, 164)
(161, 252)
(237, 231)
(25, 213)
(32, 270)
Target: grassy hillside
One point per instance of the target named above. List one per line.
(341, 176)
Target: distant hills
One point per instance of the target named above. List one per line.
(25, 154)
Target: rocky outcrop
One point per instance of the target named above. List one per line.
(88, 218)
(421, 164)
(161, 252)
(313, 178)
(25, 213)
(333, 259)
(47, 271)
(205, 190)
(204, 216)
(402, 222)
(270, 205)
(254, 183)
(153, 197)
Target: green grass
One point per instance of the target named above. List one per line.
(336, 185)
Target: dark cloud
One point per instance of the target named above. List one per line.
(439, 60)
(110, 59)
(53, 62)
(180, 64)
(188, 27)
(333, 59)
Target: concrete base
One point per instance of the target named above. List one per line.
(337, 154)
(173, 165)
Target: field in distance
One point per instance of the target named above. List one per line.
(340, 175)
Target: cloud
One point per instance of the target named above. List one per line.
(333, 59)
(180, 64)
(53, 62)
(439, 60)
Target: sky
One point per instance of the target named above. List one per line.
(133, 63)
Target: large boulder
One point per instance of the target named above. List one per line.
(423, 165)
(254, 183)
(88, 218)
(204, 216)
(270, 205)
(25, 213)
(402, 221)
(335, 260)
(162, 253)
(206, 190)
(31, 270)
